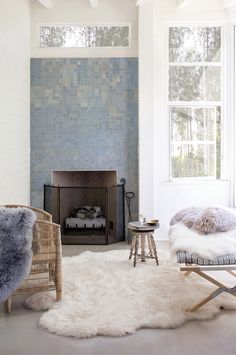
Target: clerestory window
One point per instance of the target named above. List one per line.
(79, 36)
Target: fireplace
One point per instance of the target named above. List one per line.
(89, 206)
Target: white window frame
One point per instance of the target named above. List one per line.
(226, 71)
(52, 24)
(232, 83)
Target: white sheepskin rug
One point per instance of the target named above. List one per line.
(204, 245)
(105, 295)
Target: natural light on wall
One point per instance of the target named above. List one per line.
(77, 36)
(195, 102)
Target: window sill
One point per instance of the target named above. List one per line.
(194, 181)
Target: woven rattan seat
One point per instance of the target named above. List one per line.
(45, 274)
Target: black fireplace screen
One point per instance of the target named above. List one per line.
(88, 215)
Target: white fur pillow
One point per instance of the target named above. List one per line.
(206, 220)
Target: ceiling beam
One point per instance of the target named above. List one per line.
(228, 3)
(182, 3)
(93, 3)
(49, 4)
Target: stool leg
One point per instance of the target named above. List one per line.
(132, 247)
(136, 249)
(154, 249)
(143, 242)
(150, 246)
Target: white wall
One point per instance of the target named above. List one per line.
(80, 12)
(14, 101)
(159, 197)
(146, 113)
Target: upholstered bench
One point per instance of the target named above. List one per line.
(204, 240)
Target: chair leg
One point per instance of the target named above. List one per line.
(58, 288)
(8, 305)
(59, 295)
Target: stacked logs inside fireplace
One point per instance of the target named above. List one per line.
(86, 217)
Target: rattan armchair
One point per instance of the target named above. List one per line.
(40, 214)
(45, 272)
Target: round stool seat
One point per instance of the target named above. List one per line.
(142, 234)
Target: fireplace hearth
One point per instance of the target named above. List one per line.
(89, 206)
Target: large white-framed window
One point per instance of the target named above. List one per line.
(195, 100)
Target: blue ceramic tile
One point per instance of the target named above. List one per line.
(84, 115)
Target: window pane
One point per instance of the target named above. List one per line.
(212, 84)
(194, 124)
(193, 160)
(194, 83)
(84, 36)
(194, 44)
(113, 36)
(63, 36)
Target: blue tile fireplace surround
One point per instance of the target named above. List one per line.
(84, 116)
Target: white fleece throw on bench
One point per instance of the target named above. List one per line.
(206, 246)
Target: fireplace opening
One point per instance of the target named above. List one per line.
(89, 206)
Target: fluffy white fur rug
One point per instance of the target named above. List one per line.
(105, 295)
(206, 246)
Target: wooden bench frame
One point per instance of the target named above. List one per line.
(201, 271)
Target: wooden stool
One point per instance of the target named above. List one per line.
(142, 236)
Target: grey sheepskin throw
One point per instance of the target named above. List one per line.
(206, 220)
(16, 231)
